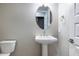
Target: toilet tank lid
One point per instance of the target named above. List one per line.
(14, 41)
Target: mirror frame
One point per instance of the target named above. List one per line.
(40, 17)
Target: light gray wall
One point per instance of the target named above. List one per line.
(63, 29)
(17, 22)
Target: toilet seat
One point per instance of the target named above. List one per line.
(5, 54)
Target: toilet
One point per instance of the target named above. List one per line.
(7, 47)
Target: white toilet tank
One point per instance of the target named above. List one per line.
(7, 46)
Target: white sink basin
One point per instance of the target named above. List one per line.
(45, 39)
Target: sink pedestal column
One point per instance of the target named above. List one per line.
(44, 50)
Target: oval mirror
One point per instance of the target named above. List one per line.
(43, 17)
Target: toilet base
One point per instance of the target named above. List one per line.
(6, 54)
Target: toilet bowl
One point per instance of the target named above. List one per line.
(7, 47)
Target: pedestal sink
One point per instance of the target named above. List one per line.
(45, 40)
